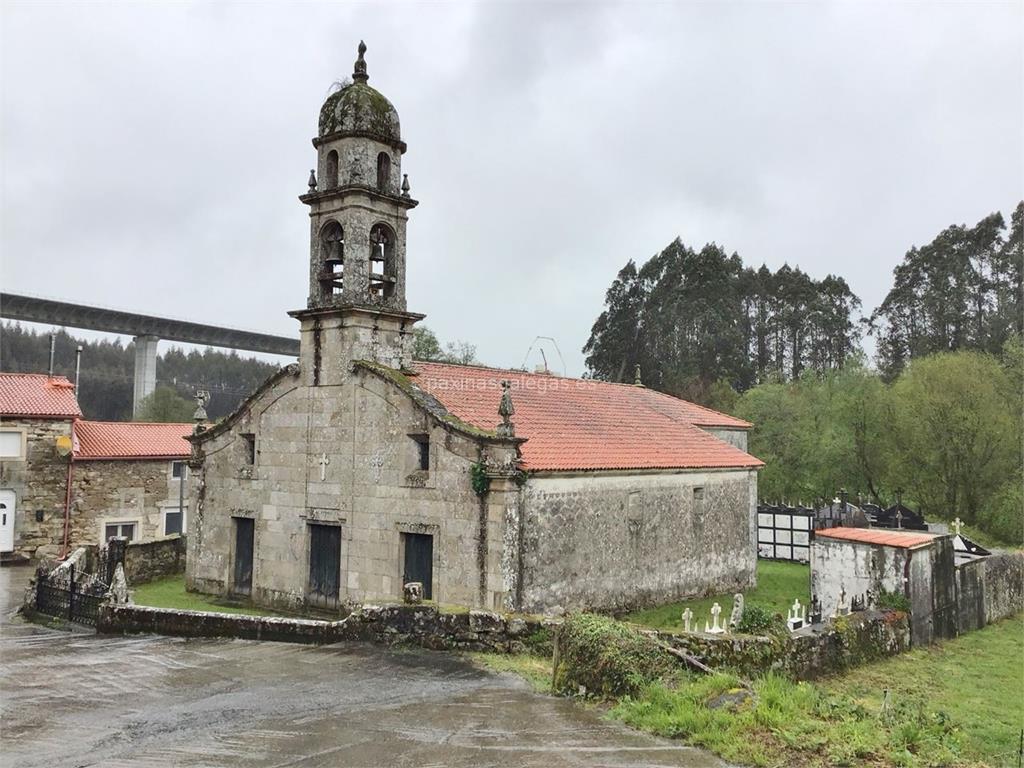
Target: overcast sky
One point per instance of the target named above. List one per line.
(153, 154)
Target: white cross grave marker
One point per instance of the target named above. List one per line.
(714, 629)
(797, 616)
(324, 461)
(687, 618)
(957, 524)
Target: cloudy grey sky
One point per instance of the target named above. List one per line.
(153, 153)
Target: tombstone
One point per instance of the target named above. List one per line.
(842, 607)
(797, 616)
(857, 603)
(412, 592)
(714, 628)
(687, 618)
(815, 610)
(737, 611)
(870, 599)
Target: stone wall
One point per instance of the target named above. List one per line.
(988, 589)
(106, 492)
(734, 437)
(421, 625)
(157, 559)
(39, 483)
(611, 542)
(809, 653)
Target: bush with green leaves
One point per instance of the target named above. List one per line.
(759, 620)
(608, 658)
(893, 601)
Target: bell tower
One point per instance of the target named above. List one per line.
(358, 202)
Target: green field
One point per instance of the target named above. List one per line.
(171, 593)
(778, 584)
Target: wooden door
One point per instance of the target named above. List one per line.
(419, 561)
(324, 564)
(244, 537)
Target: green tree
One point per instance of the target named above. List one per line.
(427, 347)
(956, 437)
(165, 405)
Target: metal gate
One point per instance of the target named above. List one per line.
(69, 594)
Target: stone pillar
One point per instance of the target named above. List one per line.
(145, 369)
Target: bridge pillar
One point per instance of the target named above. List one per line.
(145, 369)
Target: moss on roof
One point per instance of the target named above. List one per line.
(361, 109)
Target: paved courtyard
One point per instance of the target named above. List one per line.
(76, 699)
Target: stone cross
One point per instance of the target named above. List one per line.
(324, 461)
(714, 629)
(797, 616)
(899, 518)
(377, 465)
(506, 410)
(687, 618)
(957, 524)
(842, 609)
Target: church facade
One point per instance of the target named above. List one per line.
(358, 469)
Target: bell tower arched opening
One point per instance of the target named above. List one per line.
(330, 180)
(383, 275)
(332, 259)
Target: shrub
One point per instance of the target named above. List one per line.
(758, 620)
(608, 657)
(893, 601)
(1003, 516)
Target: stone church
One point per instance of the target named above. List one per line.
(358, 469)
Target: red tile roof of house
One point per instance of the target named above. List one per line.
(581, 424)
(36, 395)
(884, 537)
(130, 440)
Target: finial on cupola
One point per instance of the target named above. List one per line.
(405, 185)
(637, 381)
(359, 73)
(312, 180)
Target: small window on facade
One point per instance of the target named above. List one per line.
(178, 470)
(383, 172)
(10, 444)
(330, 180)
(115, 530)
(698, 500)
(250, 447)
(422, 451)
(174, 521)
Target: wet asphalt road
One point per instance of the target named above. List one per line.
(76, 699)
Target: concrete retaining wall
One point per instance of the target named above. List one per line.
(420, 625)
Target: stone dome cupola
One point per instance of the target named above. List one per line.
(360, 110)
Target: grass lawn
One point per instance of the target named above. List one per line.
(955, 704)
(778, 584)
(170, 593)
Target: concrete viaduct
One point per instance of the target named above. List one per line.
(145, 329)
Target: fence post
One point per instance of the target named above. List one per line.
(71, 591)
(41, 577)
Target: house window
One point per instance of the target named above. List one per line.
(178, 470)
(115, 530)
(250, 447)
(174, 521)
(11, 444)
(422, 452)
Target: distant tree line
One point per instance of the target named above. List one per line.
(107, 374)
(699, 322)
(939, 418)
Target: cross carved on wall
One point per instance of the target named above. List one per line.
(324, 461)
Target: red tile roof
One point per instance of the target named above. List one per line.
(130, 440)
(577, 424)
(37, 395)
(885, 537)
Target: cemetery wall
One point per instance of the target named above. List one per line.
(988, 589)
(808, 653)
(150, 560)
(610, 542)
(422, 625)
